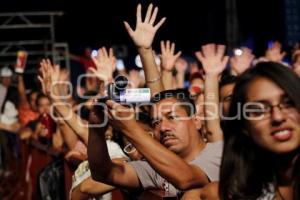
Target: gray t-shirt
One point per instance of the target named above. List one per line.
(209, 160)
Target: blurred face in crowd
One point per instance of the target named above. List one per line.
(109, 133)
(225, 97)
(43, 105)
(277, 127)
(173, 125)
(87, 52)
(6, 80)
(32, 100)
(196, 89)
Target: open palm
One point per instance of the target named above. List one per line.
(212, 58)
(105, 62)
(144, 32)
(168, 56)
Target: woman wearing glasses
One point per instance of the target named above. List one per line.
(261, 151)
(262, 144)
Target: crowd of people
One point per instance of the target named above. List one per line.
(232, 132)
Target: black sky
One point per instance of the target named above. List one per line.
(190, 23)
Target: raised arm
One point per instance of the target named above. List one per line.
(103, 169)
(181, 65)
(105, 62)
(142, 37)
(214, 62)
(162, 160)
(19, 69)
(168, 59)
(274, 52)
(49, 78)
(90, 188)
(240, 63)
(22, 91)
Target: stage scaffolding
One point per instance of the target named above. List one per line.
(33, 32)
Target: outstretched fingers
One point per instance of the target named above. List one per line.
(220, 51)
(162, 47)
(128, 28)
(200, 56)
(153, 17)
(177, 55)
(148, 14)
(111, 53)
(139, 14)
(158, 25)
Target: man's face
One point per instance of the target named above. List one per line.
(173, 125)
(6, 80)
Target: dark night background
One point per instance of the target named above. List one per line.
(190, 23)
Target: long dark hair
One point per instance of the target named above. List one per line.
(246, 168)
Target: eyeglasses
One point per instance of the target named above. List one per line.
(129, 148)
(263, 110)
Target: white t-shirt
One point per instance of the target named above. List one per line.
(10, 114)
(83, 170)
(208, 160)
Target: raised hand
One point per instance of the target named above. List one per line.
(181, 65)
(105, 63)
(168, 56)
(49, 74)
(241, 63)
(135, 79)
(144, 32)
(212, 58)
(64, 75)
(274, 53)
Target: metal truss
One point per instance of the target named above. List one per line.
(21, 24)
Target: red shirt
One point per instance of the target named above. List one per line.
(87, 63)
(26, 114)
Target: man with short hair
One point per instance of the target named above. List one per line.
(181, 160)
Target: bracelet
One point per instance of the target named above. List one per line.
(154, 80)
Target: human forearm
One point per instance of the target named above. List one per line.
(211, 106)
(21, 90)
(68, 135)
(152, 74)
(66, 112)
(165, 162)
(167, 79)
(94, 188)
(72, 119)
(180, 80)
(98, 157)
